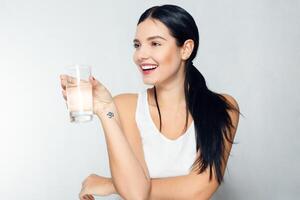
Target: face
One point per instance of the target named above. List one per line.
(156, 48)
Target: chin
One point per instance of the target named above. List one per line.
(149, 81)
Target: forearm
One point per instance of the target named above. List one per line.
(191, 186)
(128, 176)
(175, 188)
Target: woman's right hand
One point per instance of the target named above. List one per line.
(102, 98)
(96, 185)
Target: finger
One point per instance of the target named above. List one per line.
(63, 83)
(63, 76)
(64, 93)
(86, 196)
(94, 81)
(66, 77)
(82, 195)
(67, 81)
(71, 80)
(89, 196)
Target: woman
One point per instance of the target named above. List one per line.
(171, 141)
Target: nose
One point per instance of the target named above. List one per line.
(142, 53)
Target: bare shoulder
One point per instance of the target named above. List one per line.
(231, 100)
(126, 102)
(235, 113)
(126, 106)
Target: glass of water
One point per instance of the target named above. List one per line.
(79, 93)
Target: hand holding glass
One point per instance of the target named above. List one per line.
(79, 93)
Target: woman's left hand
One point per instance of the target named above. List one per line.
(96, 185)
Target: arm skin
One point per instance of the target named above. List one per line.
(128, 176)
(182, 187)
(191, 186)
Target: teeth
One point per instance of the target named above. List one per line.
(149, 67)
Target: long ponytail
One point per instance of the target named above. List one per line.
(212, 121)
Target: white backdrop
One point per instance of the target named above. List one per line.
(249, 49)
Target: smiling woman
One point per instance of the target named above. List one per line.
(167, 37)
(171, 141)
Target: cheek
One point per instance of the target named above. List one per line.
(169, 59)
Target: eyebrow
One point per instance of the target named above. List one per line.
(151, 38)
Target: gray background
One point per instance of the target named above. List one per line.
(249, 49)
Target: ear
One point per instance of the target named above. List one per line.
(187, 49)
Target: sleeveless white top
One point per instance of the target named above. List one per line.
(164, 157)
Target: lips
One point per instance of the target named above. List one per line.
(148, 66)
(146, 72)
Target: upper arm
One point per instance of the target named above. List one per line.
(126, 106)
(207, 188)
(234, 116)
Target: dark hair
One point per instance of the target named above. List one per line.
(208, 109)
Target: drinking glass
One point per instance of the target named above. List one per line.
(79, 93)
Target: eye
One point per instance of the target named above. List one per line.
(155, 44)
(135, 45)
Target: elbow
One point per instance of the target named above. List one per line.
(142, 195)
(205, 193)
(200, 196)
(137, 196)
(138, 193)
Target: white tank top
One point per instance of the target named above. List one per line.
(164, 157)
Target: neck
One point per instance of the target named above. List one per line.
(170, 95)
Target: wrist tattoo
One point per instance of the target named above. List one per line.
(110, 114)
